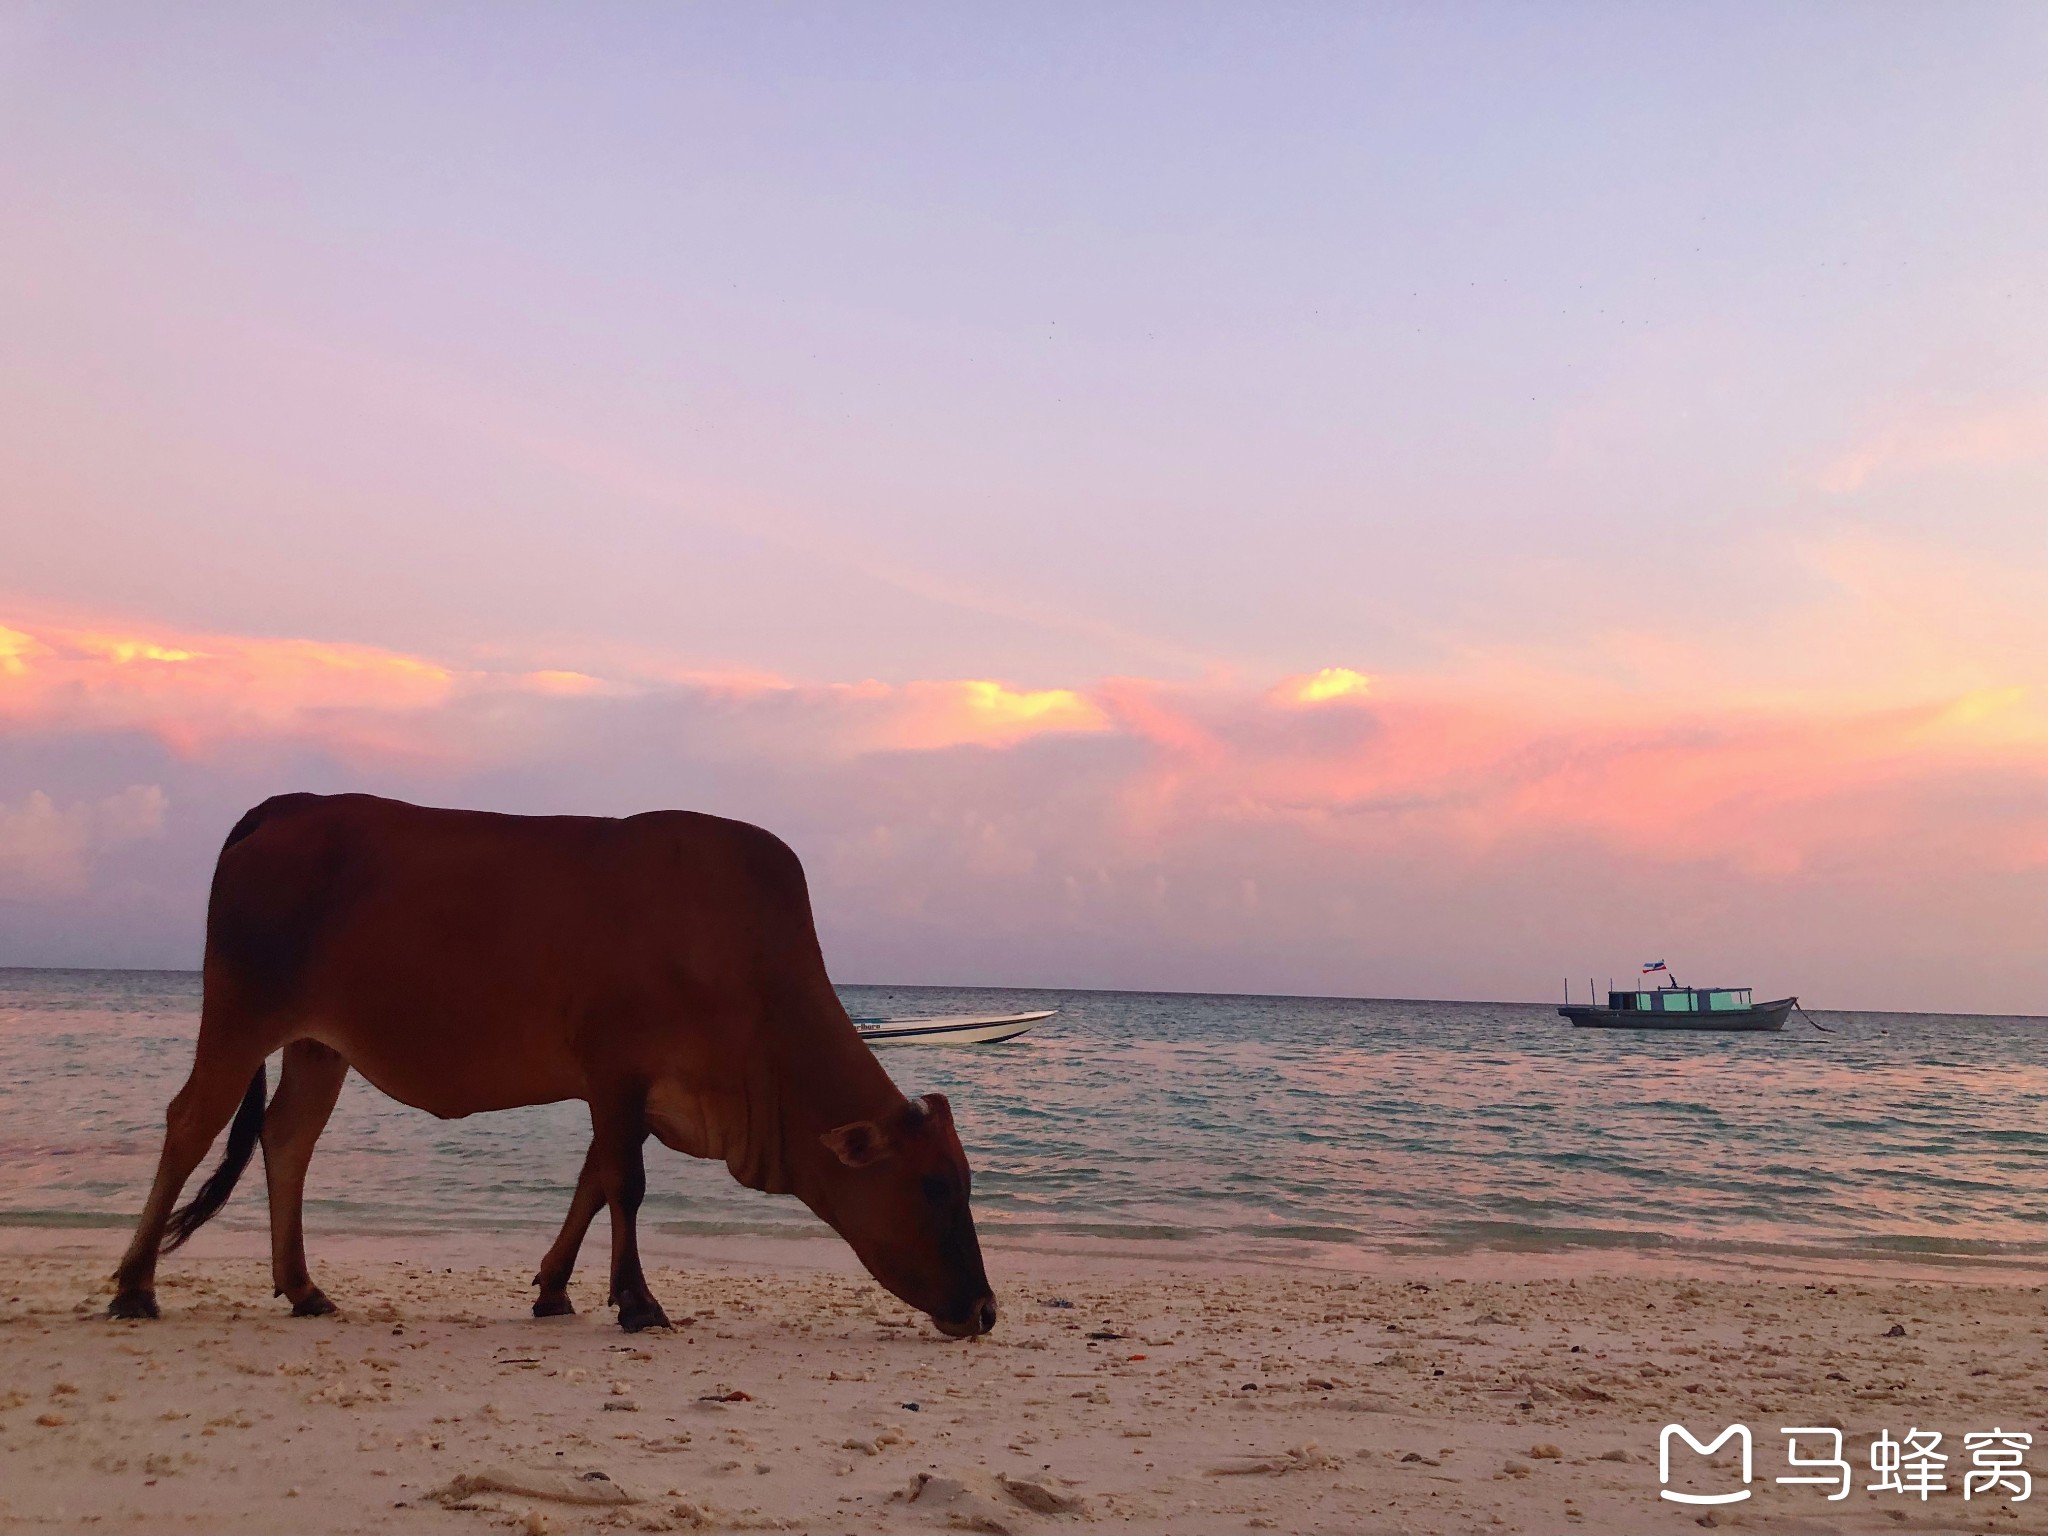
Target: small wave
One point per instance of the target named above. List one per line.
(1185, 1120)
(67, 1218)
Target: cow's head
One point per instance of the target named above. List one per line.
(900, 1200)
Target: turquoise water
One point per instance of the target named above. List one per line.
(1228, 1121)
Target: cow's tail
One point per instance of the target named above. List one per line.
(213, 1194)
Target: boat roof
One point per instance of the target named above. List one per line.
(1674, 988)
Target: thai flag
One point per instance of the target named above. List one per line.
(1654, 965)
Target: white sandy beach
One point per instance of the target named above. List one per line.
(1491, 1394)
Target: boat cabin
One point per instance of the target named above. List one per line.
(1682, 1000)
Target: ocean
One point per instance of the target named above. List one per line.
(1233, 1125)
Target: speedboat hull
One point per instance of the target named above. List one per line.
(1760, 1017)
(953, 1029)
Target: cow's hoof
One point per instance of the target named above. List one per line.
(554, 1306)
(133, 1304)
(644, 1315)
(314, 1304)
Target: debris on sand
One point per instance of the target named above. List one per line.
(1300, 1458)
(558, 1487)
(990, 1507)
(1036, 1497)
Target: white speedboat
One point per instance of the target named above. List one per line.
(951, 1029)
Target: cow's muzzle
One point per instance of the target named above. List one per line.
(981, 1317)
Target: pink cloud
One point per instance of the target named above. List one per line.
(1763, 790)
(1285, 821)
(48, 849)
(195, 691)
(1984, 437)
(1360, 763)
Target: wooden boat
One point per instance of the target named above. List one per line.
(951, 1029)
(1675, 1007)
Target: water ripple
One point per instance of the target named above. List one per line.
(1253, 1119)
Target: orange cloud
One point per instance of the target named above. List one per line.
(1330, 683)
(979, 712)
(190, 690)
(16, 648)
(195, 690)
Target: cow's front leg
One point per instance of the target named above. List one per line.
(560, 1262)
(619, 1126)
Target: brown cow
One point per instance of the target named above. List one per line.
(663, 968)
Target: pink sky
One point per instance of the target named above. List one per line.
(1403, 502)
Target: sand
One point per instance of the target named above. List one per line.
(1488, 1395)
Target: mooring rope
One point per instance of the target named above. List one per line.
(1813, 1021)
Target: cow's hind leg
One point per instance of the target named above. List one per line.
(560, 1262)
(219, 1082)
(619, 1126)
(306, 1090)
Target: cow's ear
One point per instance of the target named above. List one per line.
(937, 1107)
(859, 1144)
